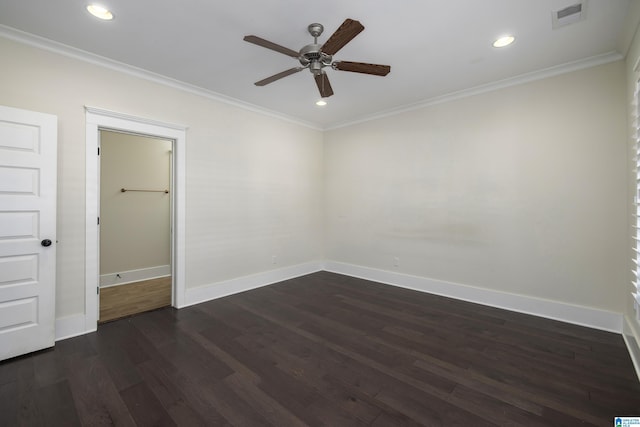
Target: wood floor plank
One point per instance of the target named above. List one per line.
(97, 401)
(265, 405)
(233, 408)
(10, 414)
(54, 404)
(429, 410)
(133, 298)
(344, 346)
(326, 349)
(145, 407)
(314, 374)
(195, 395)
(171, 397)
(121, 367)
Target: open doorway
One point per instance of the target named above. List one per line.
(98, 119)
(135, 224)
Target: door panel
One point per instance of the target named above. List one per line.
(20, 181)
(19, 225)
(28, 152)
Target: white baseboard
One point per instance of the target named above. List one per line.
(124, 277)
(575, 314)
(632, 345)
(241, 284)
(74, 325)
(70, 326)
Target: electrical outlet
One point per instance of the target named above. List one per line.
(273, 259)
(396, 261)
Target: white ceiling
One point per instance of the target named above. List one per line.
(434, 47)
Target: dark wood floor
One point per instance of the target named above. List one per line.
(327, 350)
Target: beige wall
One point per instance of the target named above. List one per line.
(251, 180)
(520, 190)
(135, 228)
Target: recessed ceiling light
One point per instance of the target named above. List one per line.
(100, 12)
(504, 41)
(321, 103)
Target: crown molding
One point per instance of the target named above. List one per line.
(65, 50)
(490, 87)
(101, 61)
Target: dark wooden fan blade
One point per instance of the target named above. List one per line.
(278, 76)
(361, 67)
(343, 35)
(323, 85)
(270, 45)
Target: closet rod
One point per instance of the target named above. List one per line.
(124, 190)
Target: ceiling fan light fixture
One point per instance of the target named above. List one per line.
(321, 103)
(100, 12)
(503, 41)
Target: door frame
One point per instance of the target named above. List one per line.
(98, 119)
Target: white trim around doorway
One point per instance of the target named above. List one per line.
(98, 119)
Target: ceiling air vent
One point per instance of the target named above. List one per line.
(567, 16)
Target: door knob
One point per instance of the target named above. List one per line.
(46, 242)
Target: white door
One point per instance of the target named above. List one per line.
(28, 152)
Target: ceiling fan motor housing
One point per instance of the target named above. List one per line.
(314, 58)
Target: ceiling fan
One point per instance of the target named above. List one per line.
(316, 57)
